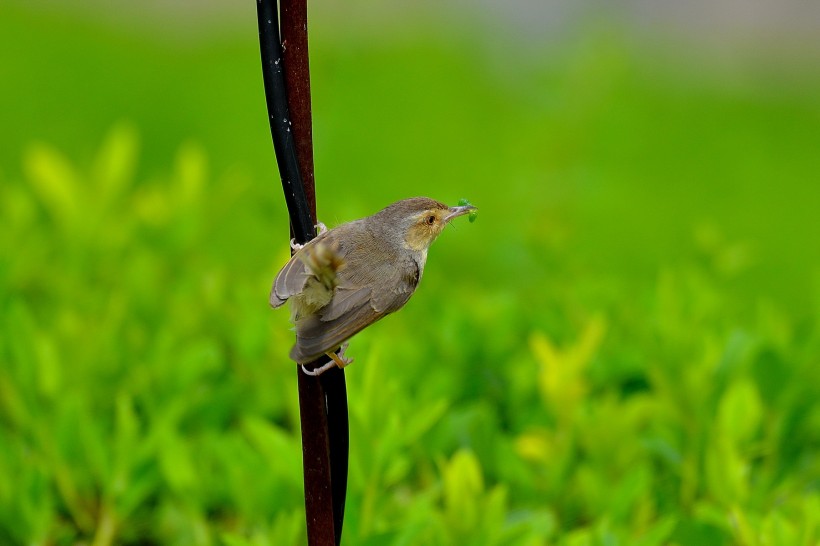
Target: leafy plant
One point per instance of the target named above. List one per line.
(622, 352)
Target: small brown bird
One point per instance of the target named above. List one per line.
(353, 275)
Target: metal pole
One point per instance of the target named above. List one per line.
(322, 400)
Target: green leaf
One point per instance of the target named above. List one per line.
(54, 181)
(279, 448)
(463, 488)
(177, 464)
(740, 411)
(191, 170)
(116, 162)
(234, 539)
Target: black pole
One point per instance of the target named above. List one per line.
(333, 382)
(322, 400)
(302, 214)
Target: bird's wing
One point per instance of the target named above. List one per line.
(402, 282)
(314, 337)
(350, 311)
(291, 279)
(355, 288)
(345, 300)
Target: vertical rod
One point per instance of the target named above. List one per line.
(294, 30)
(297, 82)
(302, 210)
(322, 400)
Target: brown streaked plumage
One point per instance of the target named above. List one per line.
(353, 275)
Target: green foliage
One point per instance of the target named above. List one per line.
(623, 352)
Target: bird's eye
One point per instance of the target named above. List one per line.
(430, 220)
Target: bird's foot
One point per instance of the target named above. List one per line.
(320, 370)
(336, 359)
(296, 246)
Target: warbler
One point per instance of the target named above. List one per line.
(349, 277)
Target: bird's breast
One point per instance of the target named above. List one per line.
(420, 258)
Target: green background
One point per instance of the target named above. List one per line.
(622, 350)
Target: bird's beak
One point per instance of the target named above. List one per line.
(458, 211)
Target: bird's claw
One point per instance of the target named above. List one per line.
(318, 371)
(296, 246)
(336, 359)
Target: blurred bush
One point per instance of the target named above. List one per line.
(623, 348)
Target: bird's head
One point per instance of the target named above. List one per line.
(419, 220)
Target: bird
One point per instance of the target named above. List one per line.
(357, 273)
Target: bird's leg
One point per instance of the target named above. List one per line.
(339, 360)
